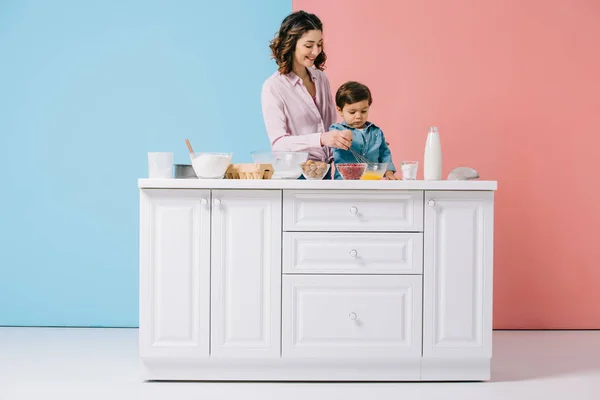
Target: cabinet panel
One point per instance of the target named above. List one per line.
(352, 253)
(246, 273)
(352, 210)
(337, 316)
(458, 268)
(174, 273)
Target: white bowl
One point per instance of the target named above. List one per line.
(210, 165)
(286, 164)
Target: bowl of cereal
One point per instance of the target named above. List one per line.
(314, 170)
(351, 171)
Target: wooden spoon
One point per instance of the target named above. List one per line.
(189, 146)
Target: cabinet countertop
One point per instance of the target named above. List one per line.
(314, 185)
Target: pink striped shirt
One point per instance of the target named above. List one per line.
(295, 121)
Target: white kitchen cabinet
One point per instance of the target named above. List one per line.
(316, 280)
(458, 259)
(175, 278)
(246, 273)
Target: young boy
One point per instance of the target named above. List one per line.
(353, 100)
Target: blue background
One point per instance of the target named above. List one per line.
(87, 88)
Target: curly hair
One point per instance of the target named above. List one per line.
(352, 92)
(284, 43)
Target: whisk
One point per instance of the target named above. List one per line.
(359, 157)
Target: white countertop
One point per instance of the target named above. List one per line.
(314, 185)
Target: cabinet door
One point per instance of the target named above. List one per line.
(457, 275)
(246, 273)
(174, 273)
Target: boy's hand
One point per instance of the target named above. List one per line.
(389, 175)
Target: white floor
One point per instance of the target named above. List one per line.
(46, 363)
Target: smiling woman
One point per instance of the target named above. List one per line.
(297, 102)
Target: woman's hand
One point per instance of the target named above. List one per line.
(389, 175)
(338, 139)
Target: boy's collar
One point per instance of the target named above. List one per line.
(368, 124)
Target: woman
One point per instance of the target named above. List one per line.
(297, 104)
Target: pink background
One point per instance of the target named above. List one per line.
(514, 87)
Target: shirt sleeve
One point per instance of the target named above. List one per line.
(276, 124)
(385, 154)
(330, 110)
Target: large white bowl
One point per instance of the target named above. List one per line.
(286, 164)
(210, 165)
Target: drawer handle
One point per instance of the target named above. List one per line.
(353, 253)
(204, 202)
(353, 210)
(353, 316)
(431, 203)
(217, 202)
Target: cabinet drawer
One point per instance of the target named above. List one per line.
(345, 316)
(353, 210)
(352, 253)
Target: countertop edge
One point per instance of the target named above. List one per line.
(273, 184)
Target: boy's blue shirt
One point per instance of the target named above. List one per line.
(370, 144)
